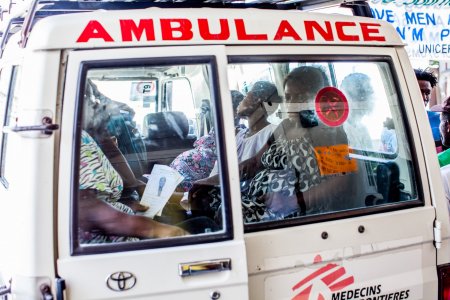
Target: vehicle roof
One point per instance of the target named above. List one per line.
(167, 26)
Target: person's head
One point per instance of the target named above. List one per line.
(444, 126)
(389, 123)
(300, 88)
(261, 92)
(302, 84)
(358, 89)
(236, 99)
(95, 112)
(427, 81)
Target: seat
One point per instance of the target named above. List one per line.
(388, 182)
(129, 140)
(167, 135)
(167, 130)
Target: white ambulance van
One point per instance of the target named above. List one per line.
(114, 117)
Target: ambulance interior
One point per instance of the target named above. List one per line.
(168, 108)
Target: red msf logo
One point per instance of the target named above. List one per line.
(329, 279)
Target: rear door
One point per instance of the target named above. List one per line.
(365, 230)
(208, 262)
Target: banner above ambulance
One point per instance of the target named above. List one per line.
(422, 25)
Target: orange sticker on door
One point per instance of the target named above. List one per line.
(335, 160)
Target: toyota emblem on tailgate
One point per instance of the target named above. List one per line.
(121, 281)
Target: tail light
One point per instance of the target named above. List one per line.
(444, 282)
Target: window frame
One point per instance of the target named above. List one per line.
(228, 227)
(12, 85)
(356, 212)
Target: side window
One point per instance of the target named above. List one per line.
(8, 107)
(138, 164)
(340, 147)
(179, 97)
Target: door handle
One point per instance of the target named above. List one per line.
(202, 267)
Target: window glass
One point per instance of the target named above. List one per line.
(336, 145)
(141, 152)
(9, 97)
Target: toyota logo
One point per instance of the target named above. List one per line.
(121, 281)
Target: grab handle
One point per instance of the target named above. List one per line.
(47, 127)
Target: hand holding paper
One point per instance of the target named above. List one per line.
(161, 184)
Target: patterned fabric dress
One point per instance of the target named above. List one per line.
(197, 163)
(97, 173)
(289, 167)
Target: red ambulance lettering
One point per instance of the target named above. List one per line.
(94, 30)
(311, 26)
(176, 29)
(242, 33)
(367, 30)
(182, 30)
(342, 35)
(206, 34)
(130, 29)
(286, 30)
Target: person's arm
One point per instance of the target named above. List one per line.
(120, 163)
(95, 214)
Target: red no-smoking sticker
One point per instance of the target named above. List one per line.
(331, 106)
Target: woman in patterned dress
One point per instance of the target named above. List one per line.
(102, 218)
(285, 172)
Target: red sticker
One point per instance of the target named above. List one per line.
(331, 106)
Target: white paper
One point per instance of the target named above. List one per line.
(158, 191)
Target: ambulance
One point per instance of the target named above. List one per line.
(154, 78)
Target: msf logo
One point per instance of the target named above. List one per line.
(320, 284)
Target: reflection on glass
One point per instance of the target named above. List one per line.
(138, 146)
(336, 143)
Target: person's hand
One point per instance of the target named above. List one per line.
(198, 196)
(140, 187)
(163, 231)
(280, 204)
(136, 206)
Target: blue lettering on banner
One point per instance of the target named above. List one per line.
(424, 29)
(401, 32)
(420, 18)
(417, 35)
(434, 48)
(384, 14)
(444, 33)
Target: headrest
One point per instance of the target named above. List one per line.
(166, 124)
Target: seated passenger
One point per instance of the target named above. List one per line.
(197, 163)
(388, 137)
(99, 109)
(359, 92)
(444, 129)
(119, 124)
(286, 172)
(102, 218)
(251, 139)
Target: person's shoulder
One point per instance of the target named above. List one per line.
(445, 174)
(433, 114)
